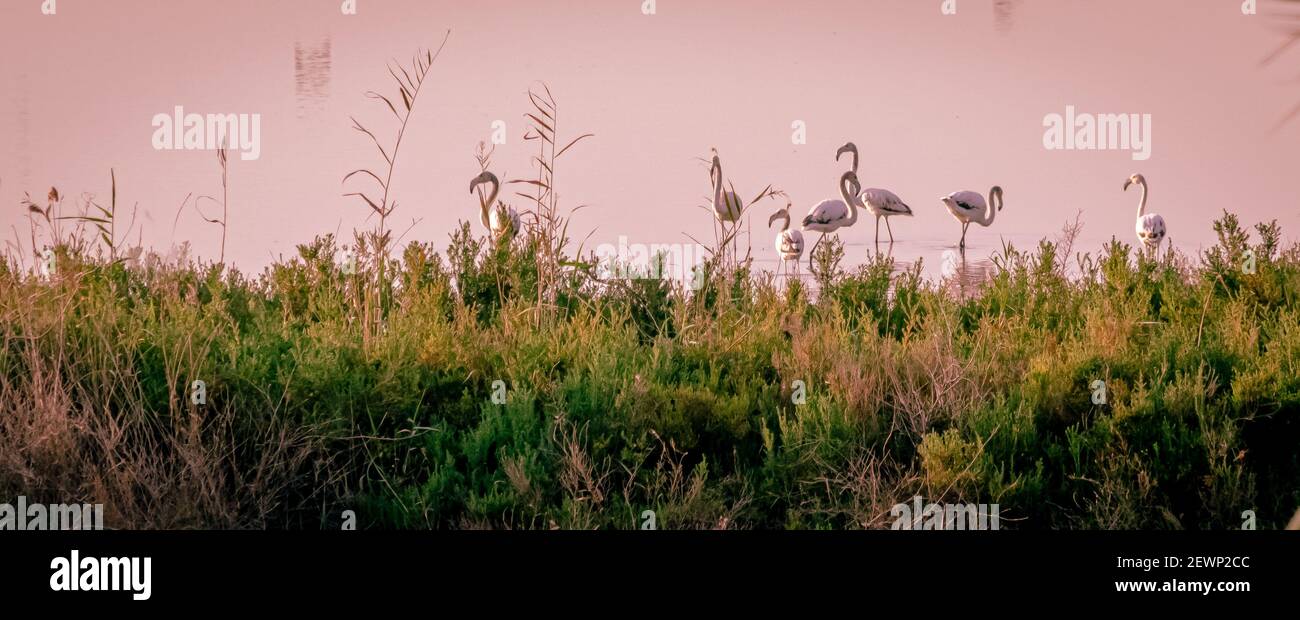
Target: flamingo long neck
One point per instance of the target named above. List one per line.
(717, 185)
(852, 201)
(855, 160)
(1142, 206)
(492, 198)
(991, 211)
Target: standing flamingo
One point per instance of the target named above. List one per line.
(829, 216)
(789, 243)
(727, 206)
(1150, 227)
(502, 221)
(882, 203)
(970, 207)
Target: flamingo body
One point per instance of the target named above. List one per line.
(1150, 228)
(971, 208)
(727, 206)
(967, 207)
(884, 203)
(826, 216)
(789, 244)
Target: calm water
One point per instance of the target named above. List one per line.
(936, 103)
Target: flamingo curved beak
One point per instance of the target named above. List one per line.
(1127, 184)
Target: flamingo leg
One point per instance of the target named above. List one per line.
(964, 226)
(724, 225)
(813, 252)
(735, 239)
(735, 232)
(728, 230)
(735, 243)
(891, 231)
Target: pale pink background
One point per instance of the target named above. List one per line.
(937, 103)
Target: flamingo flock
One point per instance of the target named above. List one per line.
(830, 215)
(967, 207)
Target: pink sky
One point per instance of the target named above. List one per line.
(937, 104)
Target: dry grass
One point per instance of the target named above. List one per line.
(74, 426)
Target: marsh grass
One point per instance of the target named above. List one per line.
(650, 396)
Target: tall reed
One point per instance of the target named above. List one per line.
(409, 87)
(550, 226)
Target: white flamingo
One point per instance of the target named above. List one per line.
(881, 203)
(829, 216)
(789, 243)
(970, 207)
(502, 221)
(1150, 227)
(727, 206)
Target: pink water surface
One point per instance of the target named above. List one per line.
(936, 102)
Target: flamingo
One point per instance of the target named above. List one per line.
(881, 203)
(829, 216)
(503, 221)
(789, 243)
(1150, 227)
(970, 207)
(727, 205)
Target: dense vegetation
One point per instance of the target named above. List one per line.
(640, 395)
